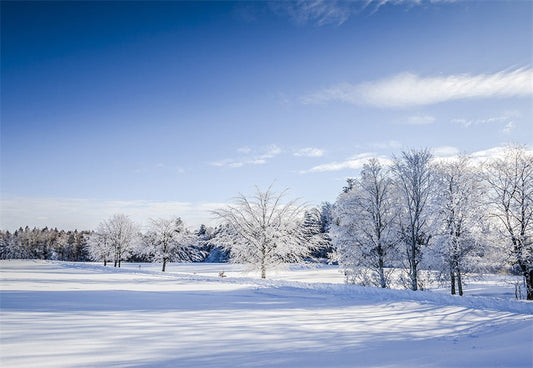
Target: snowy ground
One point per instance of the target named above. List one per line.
(56, 314)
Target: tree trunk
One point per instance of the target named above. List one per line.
(529, 282)
(164, 264)
(414, 278)
(115, 263)
(459, 282)
(452, 281)
(119, 262)
(382, 281)
(263, 265)
(105, 262)
(527, 272)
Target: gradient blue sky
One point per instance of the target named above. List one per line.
(161, 108)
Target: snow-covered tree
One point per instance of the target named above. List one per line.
(459, 228)
(414, 185)
(314, 235)
(326, 216)
(167, 238)
(363, 234)
(262, 230)
(115, 239)
(510, 197)
(100, 247)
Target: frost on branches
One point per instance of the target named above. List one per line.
(114, 239)
(414, 182)
(167, 240)
(510, 197)
(363, 234)
(263, 231)
(460, 227)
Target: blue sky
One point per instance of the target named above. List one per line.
(159, 109)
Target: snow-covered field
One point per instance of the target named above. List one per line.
(57, 314)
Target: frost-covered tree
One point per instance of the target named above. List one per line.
(459, 227)
(115, 239)
(510, 197)
(5, 244)
(414, 185)
(99, 243)
(314, 235)
(364, 234)
(326, 216)
(263, 231)
(166, 238)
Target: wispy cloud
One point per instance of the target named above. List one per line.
(272, 151)
(408, 89)
(319, 12)
(508, 128)
(309, 152)
(335, 12)
(250, 157)
(375, 5)
(495, 119)
(506, 120)
(354, 162)
(420, 120)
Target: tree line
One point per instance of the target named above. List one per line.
(401, 220)
(119, 239)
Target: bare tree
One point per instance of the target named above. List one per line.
(363, 234)
(262, 230)
(510, 179)
(459, 227)
(413, 180)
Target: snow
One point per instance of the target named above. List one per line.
(59, 314)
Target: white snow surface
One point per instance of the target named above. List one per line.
(59, 314)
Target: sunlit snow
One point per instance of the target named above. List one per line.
(57, 314)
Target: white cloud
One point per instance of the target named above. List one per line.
(445, 151)
(420, 120)
(440, 154)
(309, 152)
(272, 151)
(250, 157)
(75, 213)
(355, 162)
(493, 152)
(408, 89)
(508, 128)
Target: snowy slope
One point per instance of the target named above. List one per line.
(58, 314)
